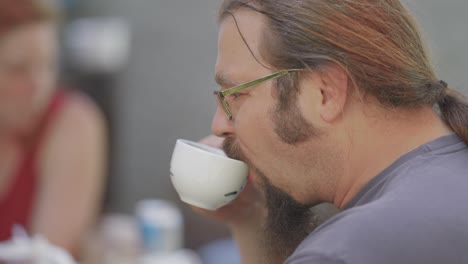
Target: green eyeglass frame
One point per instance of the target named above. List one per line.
(223, 94)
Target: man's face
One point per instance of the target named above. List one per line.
(260, 128)
(259, 133)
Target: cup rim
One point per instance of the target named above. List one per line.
(202, 148)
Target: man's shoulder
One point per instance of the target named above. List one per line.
(356, 229)
(392, 229)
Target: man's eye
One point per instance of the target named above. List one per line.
(235, 95)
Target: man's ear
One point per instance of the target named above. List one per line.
(334, 92)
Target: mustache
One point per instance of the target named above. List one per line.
(232, 149)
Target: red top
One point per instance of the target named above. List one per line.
(17, 204)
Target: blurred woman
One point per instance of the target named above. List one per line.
(52, 142)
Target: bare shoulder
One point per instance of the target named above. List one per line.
(79, 113)
(79, 118)
(78, 128)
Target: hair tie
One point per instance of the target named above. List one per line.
(443, 83)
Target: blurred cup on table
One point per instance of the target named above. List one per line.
(114, 241)
(204, 176)
(161, 226)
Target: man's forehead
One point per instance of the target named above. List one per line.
(243, 26)
(239, 42)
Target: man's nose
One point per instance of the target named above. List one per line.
(221, 125)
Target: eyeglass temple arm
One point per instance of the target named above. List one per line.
(252, 83)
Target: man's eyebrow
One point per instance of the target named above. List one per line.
(223, 81)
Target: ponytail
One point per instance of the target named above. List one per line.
(454, 110)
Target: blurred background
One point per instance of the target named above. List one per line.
(162, 93)
(148, 64)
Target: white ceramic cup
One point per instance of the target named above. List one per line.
(204, 176)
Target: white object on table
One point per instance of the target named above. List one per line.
(36, 250)
(182, 256)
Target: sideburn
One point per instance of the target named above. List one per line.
(290, 125)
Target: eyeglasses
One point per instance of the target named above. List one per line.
(221, 95)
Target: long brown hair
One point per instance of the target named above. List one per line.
(376, 41)
(16, 13)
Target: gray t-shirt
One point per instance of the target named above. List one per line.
(415, 211)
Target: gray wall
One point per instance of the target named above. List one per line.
(165, 93)
(444, 25)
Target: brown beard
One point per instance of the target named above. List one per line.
(287, 223)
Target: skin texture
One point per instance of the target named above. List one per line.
(71, 157)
